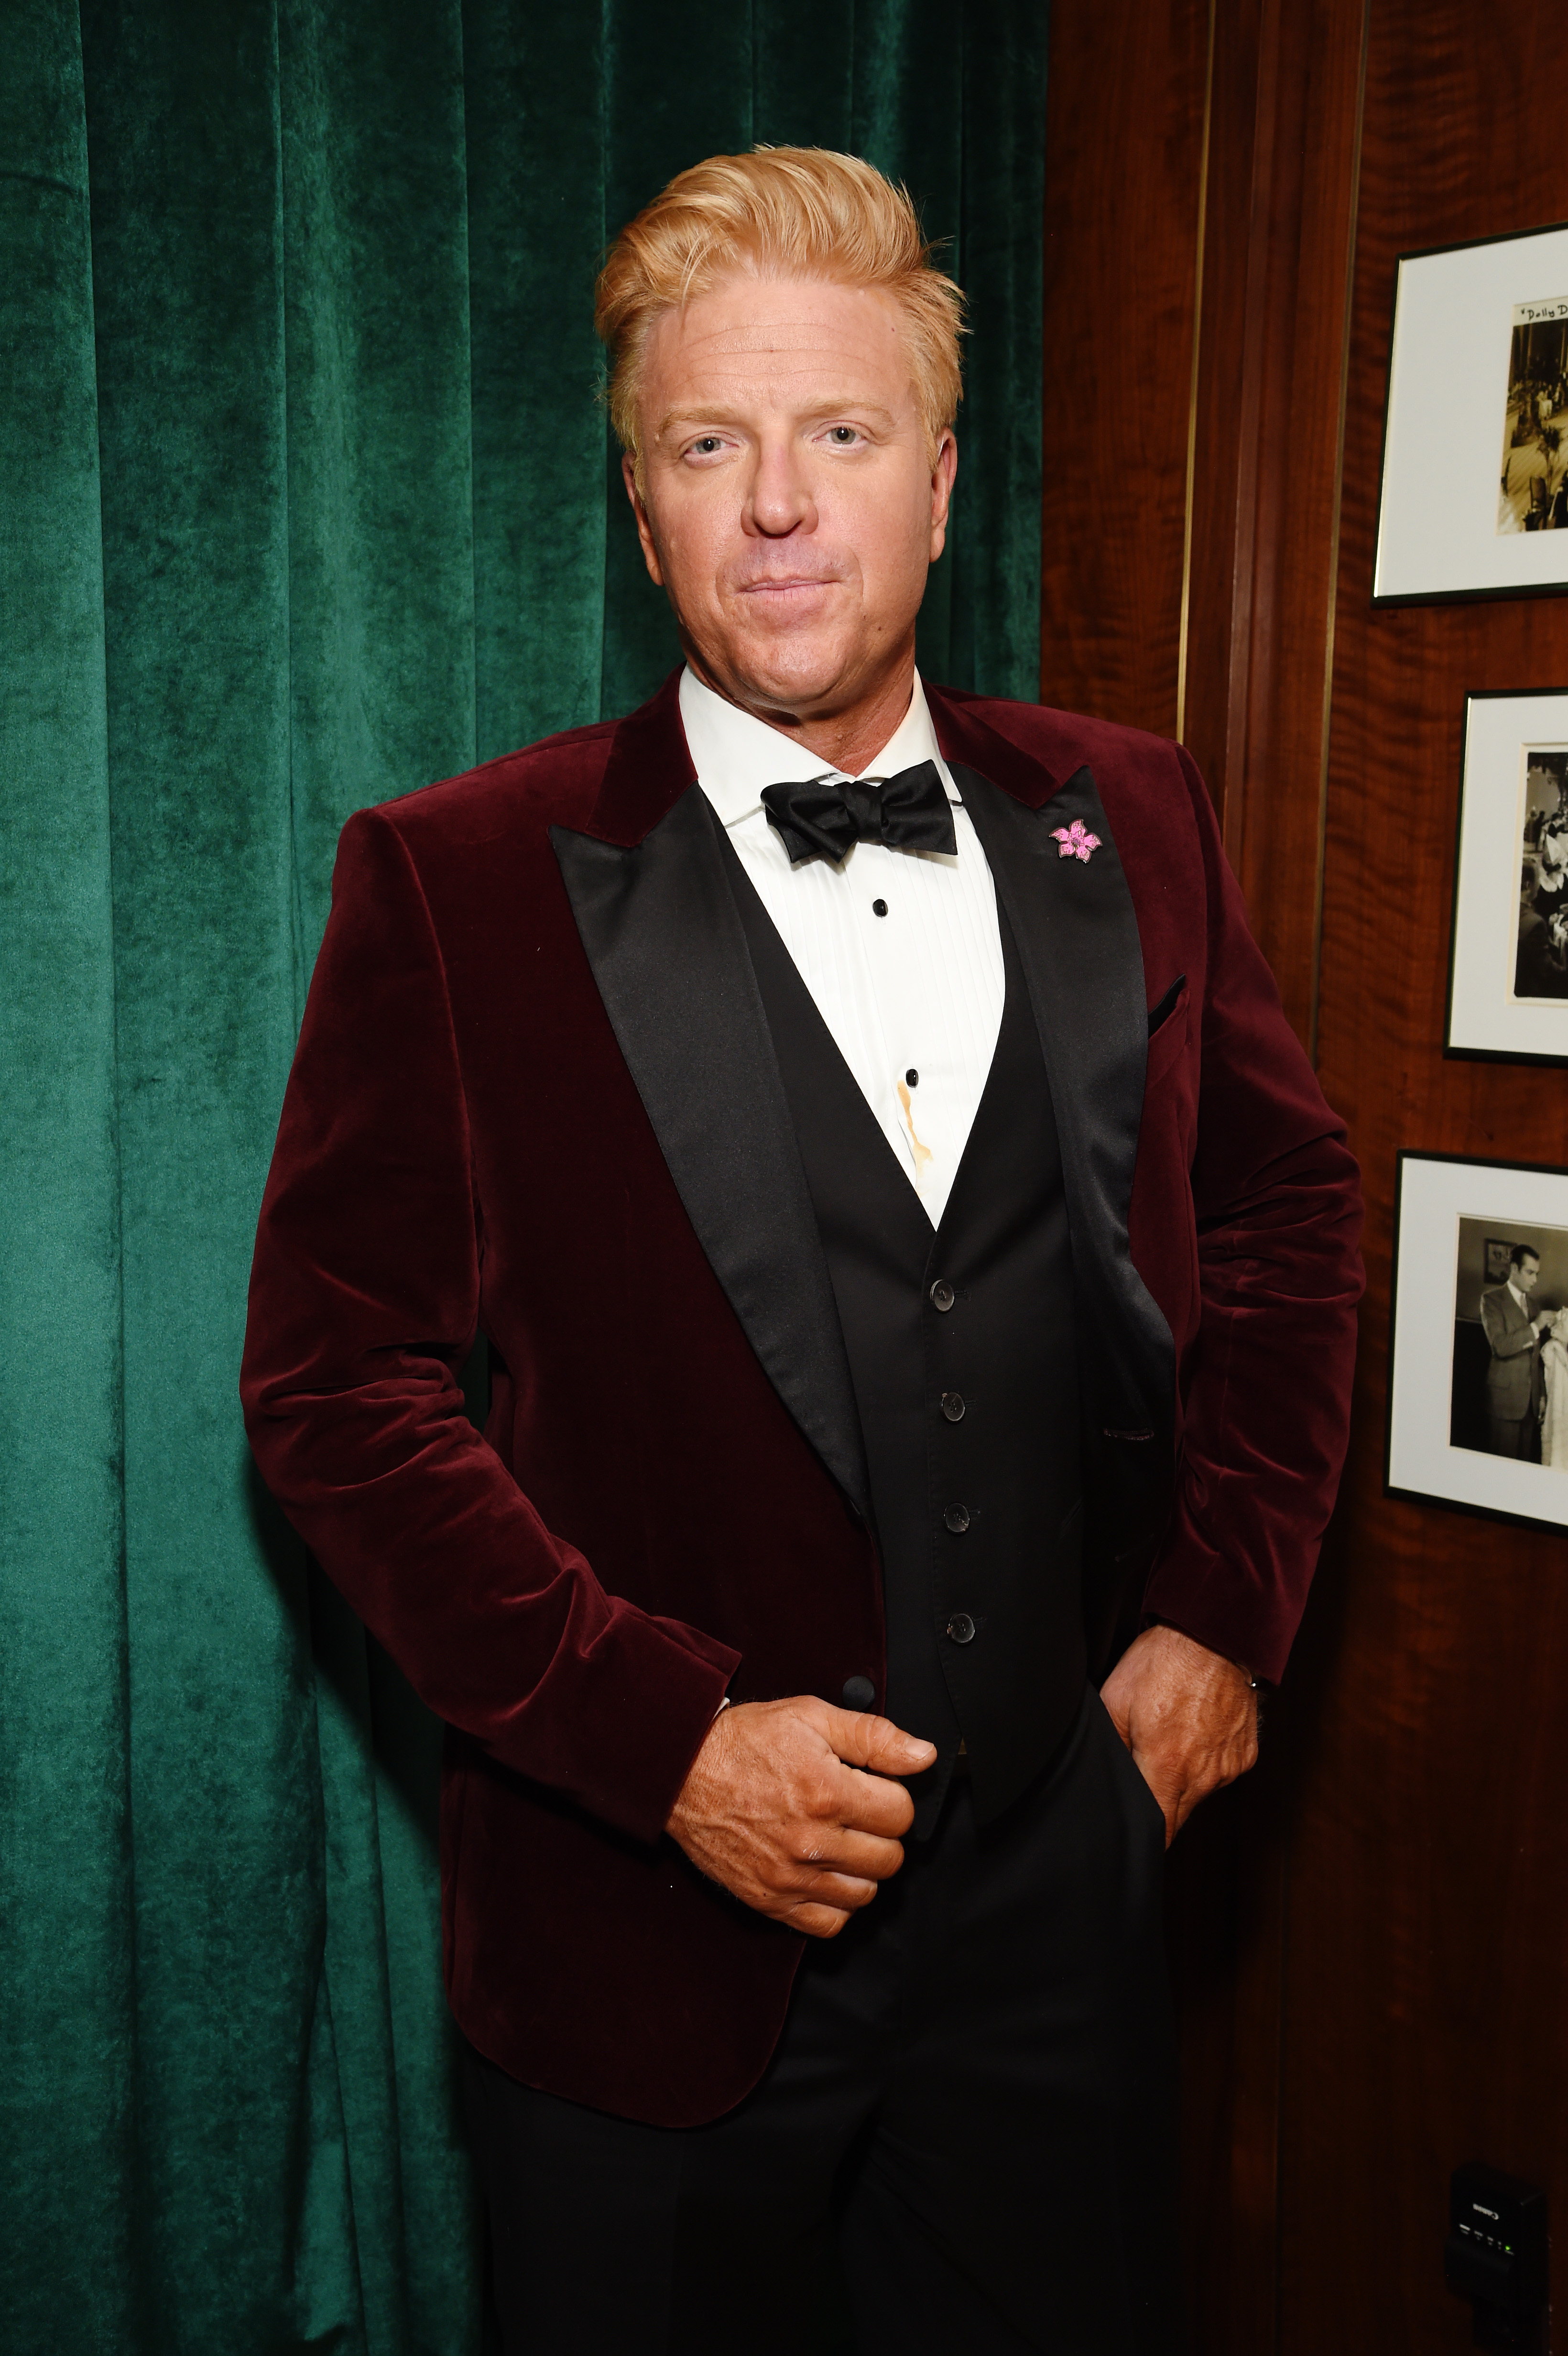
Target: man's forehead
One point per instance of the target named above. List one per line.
(787, 347)
(780, 327)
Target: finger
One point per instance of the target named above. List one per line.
(816, 1922)
(874, 1804)
(1175, 1817)
(1188, 1786)
(863, 1740)
(857, 1853)
(844, 1890)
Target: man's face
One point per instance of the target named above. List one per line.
(1525, 1274)
(791, 509)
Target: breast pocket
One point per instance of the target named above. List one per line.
(1167, 1030)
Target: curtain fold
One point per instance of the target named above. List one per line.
(67, 1958)
(308, 499)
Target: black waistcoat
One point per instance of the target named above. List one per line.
(960, 1345)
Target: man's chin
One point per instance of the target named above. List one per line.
(788, 681)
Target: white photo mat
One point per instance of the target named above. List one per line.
(1435, 1193)
(1443, 447)
(1485, 1017)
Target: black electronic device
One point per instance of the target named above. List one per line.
(1496, 2255)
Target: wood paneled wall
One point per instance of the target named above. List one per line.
(1427, 2019)
(1124, 135)
(1371, 1936)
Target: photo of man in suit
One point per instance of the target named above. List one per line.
(1514, 1374)
(919, 1271)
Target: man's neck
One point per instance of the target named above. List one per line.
(846, 740)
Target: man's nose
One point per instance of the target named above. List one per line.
(780, 499)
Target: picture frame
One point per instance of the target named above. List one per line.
(1477, 1414)
(1498, 1258)
(1472, 502)
(1508, 958)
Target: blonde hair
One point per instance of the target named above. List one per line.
(804, 212)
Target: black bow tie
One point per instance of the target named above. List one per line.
(823, 815)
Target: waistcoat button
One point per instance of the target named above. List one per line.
(952, 1405)
(957, 1518)
(859, 1693)
(961, 1628)
(942, 1294)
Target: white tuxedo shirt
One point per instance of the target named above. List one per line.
(900, 949)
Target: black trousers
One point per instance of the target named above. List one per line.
(961, 2144)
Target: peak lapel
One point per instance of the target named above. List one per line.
(660, 925)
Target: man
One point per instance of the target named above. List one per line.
(1513, 1377)
(1524, 481)
(859, 1120)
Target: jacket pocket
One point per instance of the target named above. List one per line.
(1167, 1029)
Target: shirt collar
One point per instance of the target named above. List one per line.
(1518, 1295)
(735, 755)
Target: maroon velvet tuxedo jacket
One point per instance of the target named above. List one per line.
(535, 1095)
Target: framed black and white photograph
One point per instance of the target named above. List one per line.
(1474, 482)
(1479, 1368)
(1507, 968)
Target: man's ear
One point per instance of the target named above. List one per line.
(645, 530)
(942, 474)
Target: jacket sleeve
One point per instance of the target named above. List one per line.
(364, 1302)
(1277, 1203)
(1507, 1341)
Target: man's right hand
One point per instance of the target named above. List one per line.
(789, 1806)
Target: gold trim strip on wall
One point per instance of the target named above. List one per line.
(1192, 388)
(1334, 537)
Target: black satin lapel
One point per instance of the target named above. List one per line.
(1078, 942)
(659, 927)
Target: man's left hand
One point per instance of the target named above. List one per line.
(1189, 1717)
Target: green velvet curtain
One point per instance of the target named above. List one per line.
(306, 500)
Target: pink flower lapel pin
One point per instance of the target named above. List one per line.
(1077, 840)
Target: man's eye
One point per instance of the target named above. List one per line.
(707, 443)
(842, 433)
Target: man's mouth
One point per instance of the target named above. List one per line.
(777, 584)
